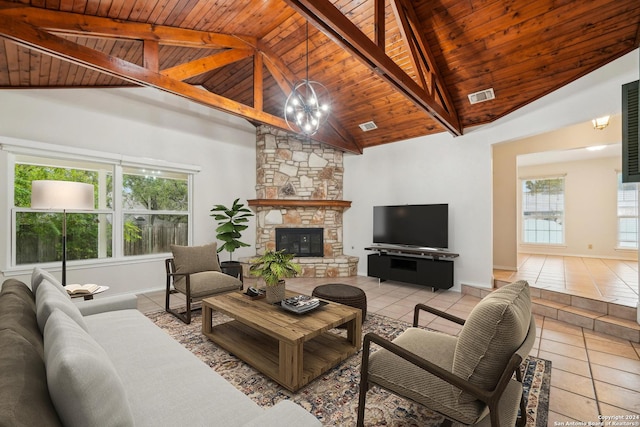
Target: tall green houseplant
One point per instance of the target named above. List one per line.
(231, 223)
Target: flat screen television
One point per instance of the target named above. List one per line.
(412, 225)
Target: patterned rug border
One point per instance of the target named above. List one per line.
(333, 397)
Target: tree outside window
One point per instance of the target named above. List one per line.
(39, 234)
(155, 205)
(154, 213)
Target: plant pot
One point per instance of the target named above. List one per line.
(232, 268)
(275, 293)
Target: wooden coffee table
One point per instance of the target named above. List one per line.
(292, 349)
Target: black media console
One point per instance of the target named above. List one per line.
(421, 266)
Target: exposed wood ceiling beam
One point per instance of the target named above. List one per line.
(20, 24)
(379, 23)
(328, 19)
(151, 56)
(258, 82)
(202, 65)
(421, 56)
(92, 26)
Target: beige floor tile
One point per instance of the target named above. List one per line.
(396, 311)
(565, 363)
(571, 339)
(614, 361)
(573, 405)
(558, 326)
(624, 349)
(614, 412)
(407, 302)
(594, 335)
(389, 313)
(616, 377)
(628, 400)
(147, 305)
(563, 349)
(573, 383)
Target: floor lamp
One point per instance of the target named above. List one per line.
(65, 195)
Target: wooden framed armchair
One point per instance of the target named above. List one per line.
(194, 271)
(468, 379)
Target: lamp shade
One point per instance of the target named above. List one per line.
(68, 195)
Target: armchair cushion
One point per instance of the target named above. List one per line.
(195, 259)
(207, 283)
(406, 379)
(492, 333)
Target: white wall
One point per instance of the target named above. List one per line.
(590, 216)
(144, 123)
(437, 169)
(458, 171)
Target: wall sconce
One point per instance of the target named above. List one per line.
(601, 122)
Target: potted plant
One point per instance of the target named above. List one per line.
(231, 222)
(274, 267)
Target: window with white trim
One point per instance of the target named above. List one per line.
(543, 211)
(627, 209)
(156, 210)
(139, 210)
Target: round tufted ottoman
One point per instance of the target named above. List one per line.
(343, 294)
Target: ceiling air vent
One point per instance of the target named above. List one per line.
(483, 95)
(366, 127)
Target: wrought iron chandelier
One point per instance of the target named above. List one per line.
(308, 105)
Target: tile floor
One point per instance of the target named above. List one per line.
(606, 280)
(592, 374)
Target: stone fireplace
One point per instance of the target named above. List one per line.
(303, 242)
(299, 185)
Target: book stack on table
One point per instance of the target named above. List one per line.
(300, 304)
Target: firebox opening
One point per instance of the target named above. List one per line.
(302, 242)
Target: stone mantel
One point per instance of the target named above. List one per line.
(298, 203)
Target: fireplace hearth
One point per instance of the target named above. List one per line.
(302, 242)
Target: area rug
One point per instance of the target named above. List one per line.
(333, 397)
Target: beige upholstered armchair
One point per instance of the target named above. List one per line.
(468, 379)
(194, 271)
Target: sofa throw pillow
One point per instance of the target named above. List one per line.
(39, 274)
(83, 383)
(494, 330)
(194, 259)
(24, 397)
(48, 298)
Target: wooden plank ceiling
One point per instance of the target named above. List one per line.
(408, 66)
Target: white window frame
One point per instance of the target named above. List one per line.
(522, 217)
(15, 146)
(619, 217)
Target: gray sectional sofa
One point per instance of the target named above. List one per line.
(103, 363)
